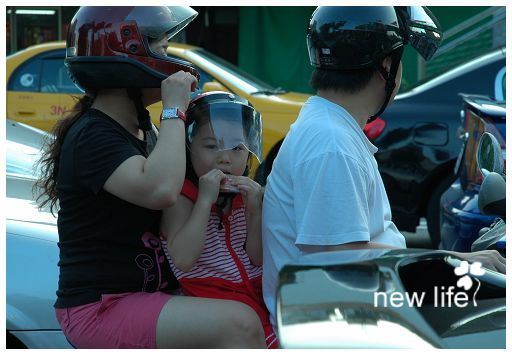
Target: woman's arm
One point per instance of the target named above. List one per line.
(156, 182)
(252, 194)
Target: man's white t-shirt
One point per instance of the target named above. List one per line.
(324, 189)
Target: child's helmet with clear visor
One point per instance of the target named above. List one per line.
(232, 119)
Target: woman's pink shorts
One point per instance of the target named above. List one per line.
(125, 320)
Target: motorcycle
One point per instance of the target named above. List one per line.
(491, 198)
(403, 298)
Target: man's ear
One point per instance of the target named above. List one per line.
(386, 63)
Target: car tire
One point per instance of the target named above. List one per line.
(433, 214)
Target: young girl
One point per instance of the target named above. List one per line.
(213, 231)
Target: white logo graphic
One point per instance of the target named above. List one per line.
(444, 296)
(465, 270)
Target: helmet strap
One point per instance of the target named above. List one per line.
(390, 77)
(143, 116)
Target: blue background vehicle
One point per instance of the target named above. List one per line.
(419, 145)
(461, 220)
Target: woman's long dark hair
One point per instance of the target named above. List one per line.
(49, 162)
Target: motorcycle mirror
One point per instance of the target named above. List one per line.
(491, 197)
(333, 306)
(489, 157)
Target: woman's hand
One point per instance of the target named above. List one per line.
(252, 193)
(209, 185)
(176, 90)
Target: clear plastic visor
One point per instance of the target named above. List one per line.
(424, 31)
(420, 15)
(155, 21)
(233, 126)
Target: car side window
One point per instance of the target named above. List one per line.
(55, 78)
(27, 77)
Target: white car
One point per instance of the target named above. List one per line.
(31, 249)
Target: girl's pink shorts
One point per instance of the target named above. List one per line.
(125, 320)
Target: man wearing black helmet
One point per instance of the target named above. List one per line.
(325, 191)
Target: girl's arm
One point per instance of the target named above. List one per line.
(252, 193)
(253, 243)
(184, 224)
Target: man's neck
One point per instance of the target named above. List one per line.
(359, 104)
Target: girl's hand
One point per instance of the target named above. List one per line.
(209, 185)
(176, 90)
(252, 193)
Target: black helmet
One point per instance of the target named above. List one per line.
(356, 37)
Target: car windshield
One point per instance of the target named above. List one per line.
(232, 73)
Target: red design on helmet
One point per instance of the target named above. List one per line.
(108, 47)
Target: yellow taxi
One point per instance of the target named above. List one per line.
(39, 91)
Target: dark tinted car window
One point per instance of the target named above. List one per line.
(55, 78)
(27, 77)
